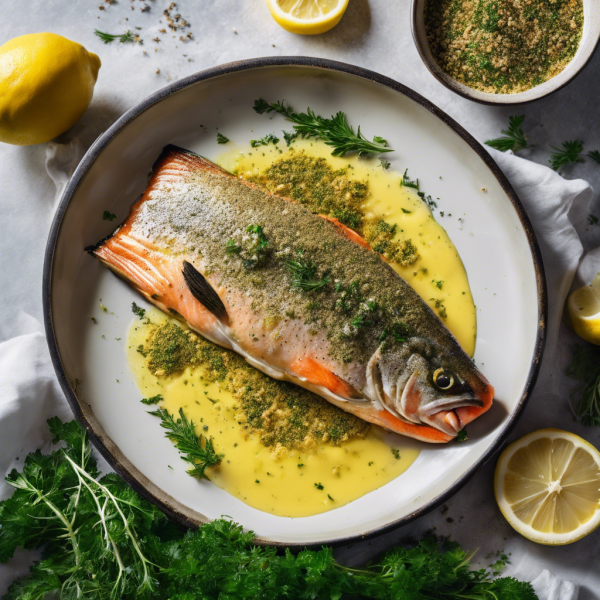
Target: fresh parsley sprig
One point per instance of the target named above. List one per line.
(183, 435)
(221, 139)
(569, 153)
(585, 399)
(513, 139)
(123, 38)
(270, 138)
(335, 131)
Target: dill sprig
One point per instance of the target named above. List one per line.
(594, 155)
(221, 139)
(513, 138)
(569, 153)
(123, 38)
(335, 131)
(303, 274)
(585, 399)
(183, 435)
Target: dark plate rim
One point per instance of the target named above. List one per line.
(105, 446)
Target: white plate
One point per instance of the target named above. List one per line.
(494, 239)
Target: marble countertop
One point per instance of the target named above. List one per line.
(374, 34)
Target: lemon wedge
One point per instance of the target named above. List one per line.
(547, 485)
(308, 17)
(583, 307)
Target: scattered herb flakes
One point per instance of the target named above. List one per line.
(330, 498)
(94, 320)
(406, 212)
(300, 465)
(513, 138)
(396, 453)
(108, 216)
(221, 139)
(152, 400)
(438, 283)
(335, 131)
(406, 181)
(289, 137)
(569, 153)
(138, 310)
(319, 486)
(123, 38)
(252, 248)
(461, 436)
(270, 138)
(385, 165)
(256, 481)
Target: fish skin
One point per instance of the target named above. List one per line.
(190, 210)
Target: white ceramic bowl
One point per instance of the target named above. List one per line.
(589, 42)
(494, 239)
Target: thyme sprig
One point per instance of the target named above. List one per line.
(568, 154)
(335, 131)
(183, 435)
(123, 38)
(513, 139)
(585, 399)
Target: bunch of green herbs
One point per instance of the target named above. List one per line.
(100, 540)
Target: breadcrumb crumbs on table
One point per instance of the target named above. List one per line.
(503, 46)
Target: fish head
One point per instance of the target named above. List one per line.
(425, 383)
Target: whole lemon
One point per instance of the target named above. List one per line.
(46, 84)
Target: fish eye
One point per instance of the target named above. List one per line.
(443, 380)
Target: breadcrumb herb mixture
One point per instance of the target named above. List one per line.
(283, 415)
(503, 46)
(313, 183)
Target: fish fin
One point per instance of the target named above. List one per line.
(176, 159)
(204, 292)
(348, 233)
(315, 373)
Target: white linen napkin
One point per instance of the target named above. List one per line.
(29, 392)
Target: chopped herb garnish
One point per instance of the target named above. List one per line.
(330, 498)
(153, 400)
(303, 274)
(109, 37)
(94, 320)
(300, 465)
(461, 436)
(438, 283)
(385, 165)
(138, 310)
(406, 181)
(289, 136)
(406, 212)
(183, 435)
(513, 139)
(319, 486)
(396, 453)
(232, 248)
(335, 131)
(221, 139)
(568, 154)
(108, 216)
(270, 138)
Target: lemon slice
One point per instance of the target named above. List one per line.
(583, 307)
(308, 17)
(547, 486)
